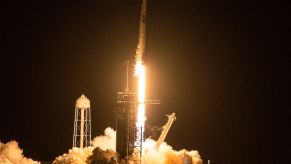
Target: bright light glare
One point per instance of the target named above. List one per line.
(140, 73)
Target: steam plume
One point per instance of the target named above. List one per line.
(104, 146)
(101, 156)
(10, 153)
(106, 141)
(166, 154)
(102, 150)
(74, 156)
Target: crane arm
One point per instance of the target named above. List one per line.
(165, 131)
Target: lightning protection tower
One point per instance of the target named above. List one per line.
(82, 123)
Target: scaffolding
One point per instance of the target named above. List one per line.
(129, 137)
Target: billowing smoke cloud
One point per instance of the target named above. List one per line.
(103, 148)
(107, 141)
(10, 153)
(103, 151)
(166, 154)
(75, 156)
(102, 156)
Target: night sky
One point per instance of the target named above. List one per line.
(218, 65)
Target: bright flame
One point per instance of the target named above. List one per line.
(140, 73)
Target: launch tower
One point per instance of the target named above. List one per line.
(128, 143)
(126, 139)
(130, 111)
(82, 123)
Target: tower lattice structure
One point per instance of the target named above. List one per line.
(128, 138)
(82, 123)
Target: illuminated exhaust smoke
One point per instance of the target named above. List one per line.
(166, 154)
(10, 153)
(101, 156)
(101, 151)
(106, 141)
(75, 155)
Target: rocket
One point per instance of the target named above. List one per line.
(142, 35)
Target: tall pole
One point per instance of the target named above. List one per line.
(127, 70)
(82, 128)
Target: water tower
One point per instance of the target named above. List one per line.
(82, 123)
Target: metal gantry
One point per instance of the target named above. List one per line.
(129, 137)
(127, 132)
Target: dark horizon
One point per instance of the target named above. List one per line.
(218, 65)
